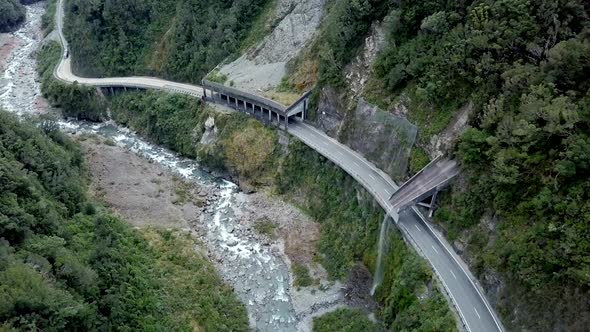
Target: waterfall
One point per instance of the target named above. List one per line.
(383, 242)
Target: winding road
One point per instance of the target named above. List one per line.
(459, 284)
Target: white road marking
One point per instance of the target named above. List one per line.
(477, 313)
(454, 276)
(340, 153)
(357, 165)
(433, 248)
(372, 177)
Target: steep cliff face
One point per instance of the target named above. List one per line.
(383, 137)
(262, 66)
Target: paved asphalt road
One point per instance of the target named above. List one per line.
(469, 301)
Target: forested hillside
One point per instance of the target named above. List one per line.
(180, 40)
(67, 264)
(11, 14)
(524, 66)
(520, 211)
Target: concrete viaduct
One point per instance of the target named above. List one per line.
(459, 284)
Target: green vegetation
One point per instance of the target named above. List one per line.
(12, 13)
(525, 65)
(48, 18)
(216, 76)
(265, 227)
(75, 100)
(407, 293)
(248, 150)
(67, 264)
(261, 25)
(173, 120)
(418, 159)
(179, 40)
(302, 276)
(345, 320)
(342, 33)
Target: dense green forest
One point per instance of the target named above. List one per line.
(12, 13)
(525, 66)
(179, 40)
(67, 264)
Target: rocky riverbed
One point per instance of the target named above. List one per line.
(149, 185)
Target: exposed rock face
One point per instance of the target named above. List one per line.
(357, 73)
(263, 66)
(210, 135)
(330, 114)
(382, 137)
(444, 141)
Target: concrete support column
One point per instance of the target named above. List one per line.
(432, 204)
(237, 106)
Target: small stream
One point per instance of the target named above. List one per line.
(260, 277)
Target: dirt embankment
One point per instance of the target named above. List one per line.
(142, 192)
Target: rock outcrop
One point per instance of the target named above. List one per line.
(263, 66)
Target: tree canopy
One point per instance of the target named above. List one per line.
(179, 40)
(67, 264)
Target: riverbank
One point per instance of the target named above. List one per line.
(142, 192)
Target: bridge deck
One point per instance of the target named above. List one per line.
(430, 179)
